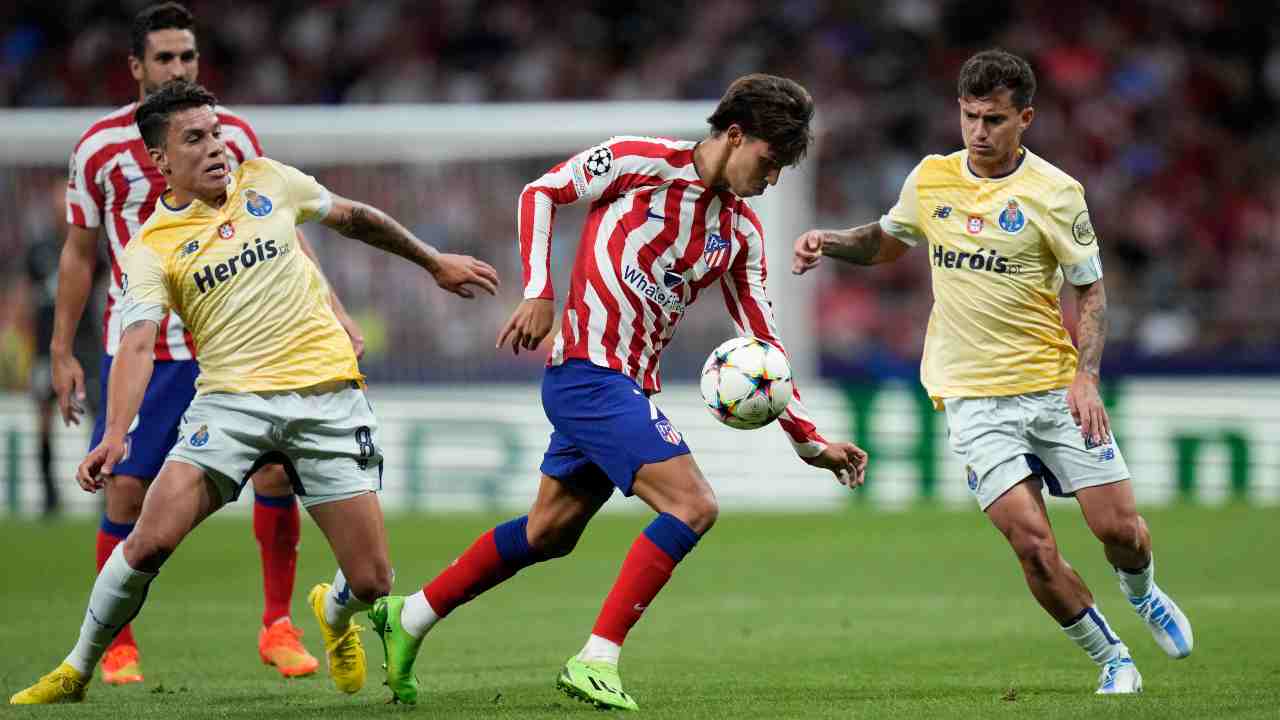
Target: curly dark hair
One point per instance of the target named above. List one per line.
(990, 70)
(774, 109)
(165, 16)
(152, 116)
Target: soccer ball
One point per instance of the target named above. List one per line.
(746, 383)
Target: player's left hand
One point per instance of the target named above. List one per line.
(455, 272)
(846, 461)
(808, 252)
(1087, 408)
(101, 462)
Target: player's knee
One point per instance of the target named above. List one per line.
(146, 551)
(1038, 553)
(272, 481)
(370, 582)
(700, 512)
(1127, 532)
(551, 541)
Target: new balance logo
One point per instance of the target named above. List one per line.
(942, 212)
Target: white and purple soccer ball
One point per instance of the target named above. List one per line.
(746, 383)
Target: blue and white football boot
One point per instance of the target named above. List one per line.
(1169, 626)
(1120, 676)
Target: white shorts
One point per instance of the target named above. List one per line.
(325, 436)
(1003, 440)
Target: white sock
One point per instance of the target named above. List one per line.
(1094, 636)
(600, 649)
(418, 617)
(340, 605)
(1138, 584)
(116, 597)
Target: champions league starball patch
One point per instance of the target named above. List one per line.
(972, 477)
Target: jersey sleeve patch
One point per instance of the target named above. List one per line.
(1082, 229)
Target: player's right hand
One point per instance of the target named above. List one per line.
(528, 325)
(68, 383)
(101, 462)
(808, 252)
(455, 272)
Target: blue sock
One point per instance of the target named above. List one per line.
(672, 536)
(512, 539)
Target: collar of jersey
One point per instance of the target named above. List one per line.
(1022, 162)
(164, 202)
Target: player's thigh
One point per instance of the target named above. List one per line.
(1111, 512)
(124, 496)
(154, 431)
(678, 487)
(357, 535)
(1021, 516)
(987, 433)
(560, 514)
(333, 443)
(179, 499)
(606, 428)
(228, 436)
(272, 480)
(1073, 462)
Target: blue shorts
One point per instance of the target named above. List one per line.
(172, 387)
(605, 428)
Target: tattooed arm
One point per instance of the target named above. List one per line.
(863, 245)
(130, 373)
(373, 227)
(1091, 335)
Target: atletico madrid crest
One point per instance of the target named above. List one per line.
(226, 231)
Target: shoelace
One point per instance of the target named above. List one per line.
(289, 635)
(1111, 669)
(345, 647)
(1152, 609)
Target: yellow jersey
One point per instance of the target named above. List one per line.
(257, 307)
(1000, 249)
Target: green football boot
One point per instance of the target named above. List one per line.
(399, 648)
(596, 683)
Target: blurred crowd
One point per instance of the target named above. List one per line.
(1164, 111)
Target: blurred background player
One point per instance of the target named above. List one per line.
(44, 246)
(279, 380)
(1004, 228)
(668, 221)
(113, 185)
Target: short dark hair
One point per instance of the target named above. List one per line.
(152, 116)
(774, 109)
(990, 70)
(165, 16)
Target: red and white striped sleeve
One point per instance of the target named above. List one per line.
(600, 173)
(748, 303)
(237, 133)
(86, 200)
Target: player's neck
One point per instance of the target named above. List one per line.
(999, 167)
(179, 198)
(710, 157)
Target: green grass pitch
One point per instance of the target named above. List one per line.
(915, 614)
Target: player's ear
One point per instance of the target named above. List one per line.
(158, 157)
(1025, 116)
(135, 68)
(735, 135)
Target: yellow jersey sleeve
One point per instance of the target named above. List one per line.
(1070, 236)
(142, 279)
(903, 219)
(309, 199)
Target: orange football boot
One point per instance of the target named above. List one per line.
(120, 665)
(280, 645)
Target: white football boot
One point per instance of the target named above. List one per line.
(1120, 676)
(1169, 626)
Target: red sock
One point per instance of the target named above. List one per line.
(109, 536)
(476, 570)
(645, 570)
(277, 528)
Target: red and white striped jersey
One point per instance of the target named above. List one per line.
(655, 237)
(112, 183)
